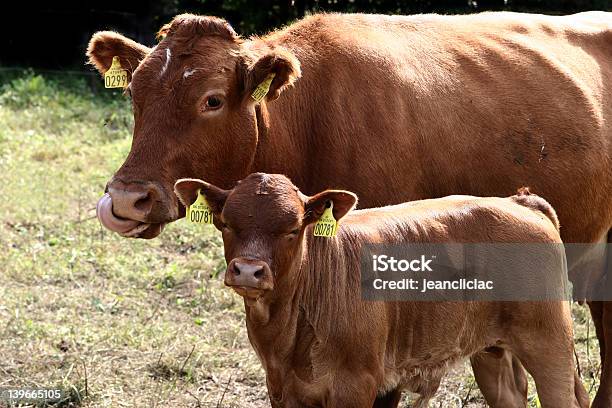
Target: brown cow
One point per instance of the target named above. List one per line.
(323, 346)
(393, 108)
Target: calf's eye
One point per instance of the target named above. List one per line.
(213, 102)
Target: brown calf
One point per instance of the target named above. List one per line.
(323, 346)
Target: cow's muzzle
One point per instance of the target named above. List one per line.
(135, 210)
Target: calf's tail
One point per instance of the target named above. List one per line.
(527, 199)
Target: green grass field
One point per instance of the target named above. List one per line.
(118, 322)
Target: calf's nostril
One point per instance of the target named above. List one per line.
(248, 271)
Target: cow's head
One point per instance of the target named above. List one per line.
(193, 114)
(263, 220)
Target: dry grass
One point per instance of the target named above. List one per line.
(116, 322)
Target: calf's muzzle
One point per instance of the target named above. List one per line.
(249, 276)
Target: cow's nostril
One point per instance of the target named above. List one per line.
(133, 202)
(144, 203)
(236, 270)
(258, 274)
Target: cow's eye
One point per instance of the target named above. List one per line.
(294, 232)
(213, 102)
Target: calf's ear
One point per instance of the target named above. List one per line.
(187, 192)
(343, 202)
(104, 45)
(280, 62)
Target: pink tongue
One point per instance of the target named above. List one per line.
(104, 210)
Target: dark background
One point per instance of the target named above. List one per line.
(54, 34)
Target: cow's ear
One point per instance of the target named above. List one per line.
(104, 45)
(343, 202)
(282, 64)
(187, 192)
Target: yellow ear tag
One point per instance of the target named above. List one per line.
(116, 77)
(199, 212)
(262, 89)
(327, 224)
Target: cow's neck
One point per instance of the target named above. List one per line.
(279, 146)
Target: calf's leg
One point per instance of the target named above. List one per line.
(389, 400)
(582, 396)
(500, 377)
(547, 352)
(351, 389)
(554, 379)
(426, 390)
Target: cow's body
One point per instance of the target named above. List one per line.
(393, 108)
(322, 345)
(451, 105)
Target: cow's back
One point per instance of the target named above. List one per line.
(479, 104)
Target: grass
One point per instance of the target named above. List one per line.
(117, 322)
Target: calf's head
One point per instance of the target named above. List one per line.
(263, 221)
(193, 114)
